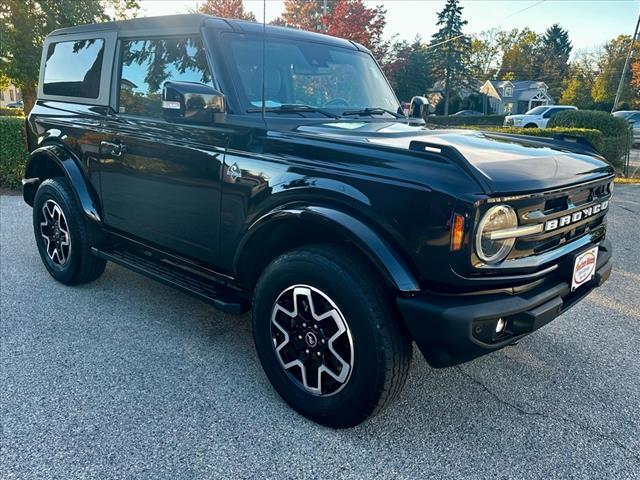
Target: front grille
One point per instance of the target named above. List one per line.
(555, 205)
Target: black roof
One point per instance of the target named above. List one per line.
(191, 23)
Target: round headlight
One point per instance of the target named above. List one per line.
(500, 217)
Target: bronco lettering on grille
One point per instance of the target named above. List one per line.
(575, 216)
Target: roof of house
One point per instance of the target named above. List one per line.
(522, 89)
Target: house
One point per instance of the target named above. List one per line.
(515, 96)
(9, 95)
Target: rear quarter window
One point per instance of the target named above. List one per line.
(74, 68)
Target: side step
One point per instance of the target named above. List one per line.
(219, 295)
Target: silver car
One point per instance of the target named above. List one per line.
(633, 117)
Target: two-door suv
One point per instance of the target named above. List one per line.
(270, 168)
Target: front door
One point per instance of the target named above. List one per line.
(161, 181)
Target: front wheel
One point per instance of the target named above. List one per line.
(328, 336)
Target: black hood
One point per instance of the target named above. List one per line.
(503, 163)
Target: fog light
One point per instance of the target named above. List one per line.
(501, 324)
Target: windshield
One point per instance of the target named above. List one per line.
(537, 111)
(307, 73)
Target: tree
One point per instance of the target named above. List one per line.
(25, 24)
(352, 20)
(450, 49)
(410, 70)
(577, 86)
(306, 15)
(610, 69)
(521, 57)
(485, 55)
(226, 9)
(556, 48)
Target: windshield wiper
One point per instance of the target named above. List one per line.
(295, 108)
(373, 111)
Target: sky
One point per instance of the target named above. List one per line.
(590, 23)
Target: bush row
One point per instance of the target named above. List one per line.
(13, 152)
(464, 120)
(11, 112)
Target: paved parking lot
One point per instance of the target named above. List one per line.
(126, 378)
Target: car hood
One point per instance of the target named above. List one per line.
(501, 163)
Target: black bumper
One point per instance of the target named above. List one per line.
(452, 329)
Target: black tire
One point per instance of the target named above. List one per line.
(381, 346)
(80, 266)
(531, 125)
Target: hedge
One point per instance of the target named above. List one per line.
(617, 136)
(13, 152)
(464, 120)
(11, 112)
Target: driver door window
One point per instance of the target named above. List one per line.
(147, 64)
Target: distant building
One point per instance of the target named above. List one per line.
(517, 96)
(9, 95)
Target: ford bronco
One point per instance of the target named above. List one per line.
(265, 168)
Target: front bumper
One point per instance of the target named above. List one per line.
(452, 329)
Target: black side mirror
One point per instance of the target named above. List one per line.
(419, 107)
(188, 102)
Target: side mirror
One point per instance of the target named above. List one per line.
(419, 107)
(188, 102)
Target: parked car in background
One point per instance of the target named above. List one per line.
(466, 113)
(633, 117)
(18, 104)
(537, 117)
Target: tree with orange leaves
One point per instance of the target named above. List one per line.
(226, 9)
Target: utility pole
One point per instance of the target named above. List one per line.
(324, 15)
(626, 66)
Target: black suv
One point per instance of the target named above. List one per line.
(271, 168)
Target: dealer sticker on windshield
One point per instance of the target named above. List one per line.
(584, 267)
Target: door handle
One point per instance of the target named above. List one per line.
(115, 148)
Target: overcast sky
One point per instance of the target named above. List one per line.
(590, 22)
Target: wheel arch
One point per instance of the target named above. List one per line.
(50, 161)
(291, 227)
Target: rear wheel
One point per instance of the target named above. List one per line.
(63, 236)
(531, 125)
(328, 336)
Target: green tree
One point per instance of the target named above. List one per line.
(25, 24)
(556, 49)
(410, 70)
(610, 69)
(521, 55)
(450, 49)
(485, 55)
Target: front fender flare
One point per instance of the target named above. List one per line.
(384, 256)
(67, 163)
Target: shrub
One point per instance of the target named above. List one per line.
(13, 151)
(609, 125)
(11, 112)
(464, 120)
(617, 136)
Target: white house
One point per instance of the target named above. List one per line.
(515, 96)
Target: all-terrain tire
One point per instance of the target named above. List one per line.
(79, 265)
(332, 275)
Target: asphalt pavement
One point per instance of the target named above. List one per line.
(125, 378)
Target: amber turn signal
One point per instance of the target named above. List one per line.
(457, 232)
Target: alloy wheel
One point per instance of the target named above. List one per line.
(55, 232)
(312, 340)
